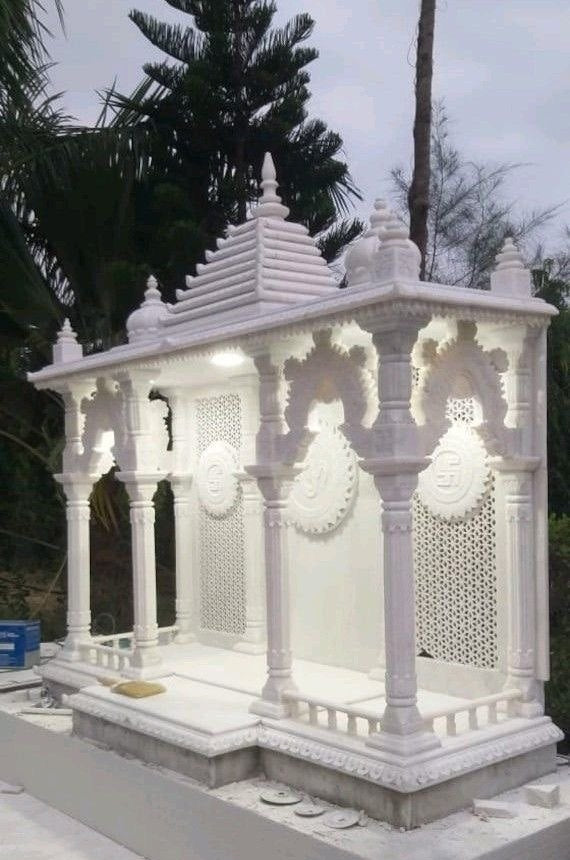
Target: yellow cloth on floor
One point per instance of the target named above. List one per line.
(138, 689)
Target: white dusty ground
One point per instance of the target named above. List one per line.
(33, 830)
(461, 836)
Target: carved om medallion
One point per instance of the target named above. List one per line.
(216, 479)
(455, 482)
(322, 494)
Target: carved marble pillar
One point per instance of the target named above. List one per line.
(142, 467)
(184, 534)
(73, 397)
(525, 385)
(141, 490)
(185, 527)
(516, 476)
(274, 479)
(395, 461)
(77, 489)
(539, 423)
(402, 729)
(254, 637)
(274, 484)
(77, 486)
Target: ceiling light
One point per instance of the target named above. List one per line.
(227, 359)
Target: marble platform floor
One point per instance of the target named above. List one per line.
(210, 690)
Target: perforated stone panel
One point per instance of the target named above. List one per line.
(222, 557)
(456, 575)
(462, 410)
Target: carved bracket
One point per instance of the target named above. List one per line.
(463, 359)
(327, 373)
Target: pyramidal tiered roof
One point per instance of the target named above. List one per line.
(265, 264)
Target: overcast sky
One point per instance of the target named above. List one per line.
(503, 69)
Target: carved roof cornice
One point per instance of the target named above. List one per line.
(340, 308)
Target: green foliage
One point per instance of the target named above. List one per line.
(22, 47)
(557, 293)
(14, 597)
(86, 212)
(559, 565)
(232, 89)
(558, 688)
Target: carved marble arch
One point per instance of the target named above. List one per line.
(463, 362)
(102, 430)
(328, 372)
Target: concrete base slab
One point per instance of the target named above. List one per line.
(412, 810)
(162, 816)
(208, 733)
(213, 771)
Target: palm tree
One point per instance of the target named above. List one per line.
(22, 47)
(22, 84)
(66, 249)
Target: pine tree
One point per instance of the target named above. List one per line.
(233, 88)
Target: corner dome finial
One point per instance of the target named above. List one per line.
(360, 257)
(143, 323)
(397, 258)
(510, 276)
(269, 205)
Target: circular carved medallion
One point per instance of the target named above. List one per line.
(216, 480)
(322, 494)
(454, 483)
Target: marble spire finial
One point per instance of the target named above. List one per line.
(269, 205)
(381, 215)
(152, 293)
(66, 347)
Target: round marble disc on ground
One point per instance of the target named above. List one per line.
(341, 818)
(309, 810)
(280, 797)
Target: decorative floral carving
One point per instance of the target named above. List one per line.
(463, 362)
(414, 776)
(329, 372)
(160, 729)
(216, 478)
(103, 418)
(323, 493)
(455, 482)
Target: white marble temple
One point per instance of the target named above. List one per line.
(360, 494)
